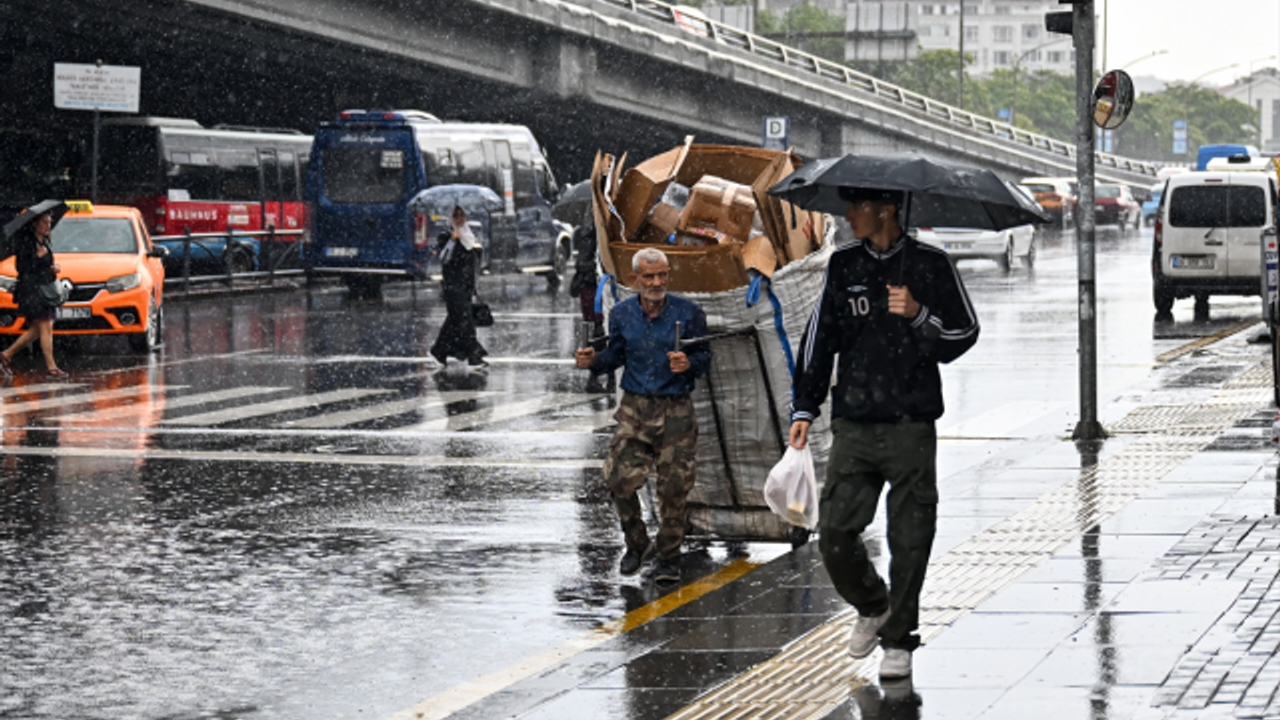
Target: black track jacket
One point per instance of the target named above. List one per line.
(888, 364)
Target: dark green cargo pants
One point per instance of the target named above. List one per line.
(659, 434)
(863, 457)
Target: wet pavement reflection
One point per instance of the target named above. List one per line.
(292, 513)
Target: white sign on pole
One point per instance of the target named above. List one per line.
(777, 131)
(114, 88)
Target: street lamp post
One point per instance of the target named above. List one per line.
(1191, 87)
(1148, 56)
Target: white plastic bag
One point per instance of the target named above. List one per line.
(792, 488)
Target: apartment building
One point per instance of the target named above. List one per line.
(998, 34)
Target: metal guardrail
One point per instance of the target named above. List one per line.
(884, 91)
(272, 252)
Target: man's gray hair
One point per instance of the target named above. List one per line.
(648, 255)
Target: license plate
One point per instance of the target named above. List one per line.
(73, 313)
(957, 245)
(1193, 262)
(341, 251)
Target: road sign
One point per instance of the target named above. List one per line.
(114, 88)
(1179, 137)
(777, 133)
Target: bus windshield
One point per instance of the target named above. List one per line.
(363, 175)
(129, 161)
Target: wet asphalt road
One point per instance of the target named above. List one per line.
(291, 513)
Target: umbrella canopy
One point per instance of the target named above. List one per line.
(56, 208)
(939, 193)
(573, 204)
(441, 199)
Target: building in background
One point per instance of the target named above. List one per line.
(999, 34)
(1261, 91)
(880, 31)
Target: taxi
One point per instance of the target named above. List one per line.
(115, 274)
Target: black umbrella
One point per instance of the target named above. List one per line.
(56, 209)
(939, 193)
(573, 204)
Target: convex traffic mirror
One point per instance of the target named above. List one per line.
(1112, 99)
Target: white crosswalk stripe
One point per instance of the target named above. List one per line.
(218, 417)
(382, 410)
(183, 401)
(79, 398)
(502, 412)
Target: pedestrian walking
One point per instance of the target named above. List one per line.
(28, 236)
(891, 309)
(657, 428)
(457, 338)
(583, 287)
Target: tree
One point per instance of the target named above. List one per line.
(934, 74)
(1211, 118)
(806, 27)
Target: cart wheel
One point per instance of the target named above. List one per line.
(799, 537)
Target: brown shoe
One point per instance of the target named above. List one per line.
(56, 373)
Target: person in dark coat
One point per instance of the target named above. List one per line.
(457, 338)
(34, 261)
(583, 286)
(891, 310)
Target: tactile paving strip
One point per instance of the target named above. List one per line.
(815, 674)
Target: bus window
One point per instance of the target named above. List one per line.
(128, 161)
(198, 180)
(289, 189)
(525, 181)
(269, 171)
(363, 175)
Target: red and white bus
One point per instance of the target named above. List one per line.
(184, 176)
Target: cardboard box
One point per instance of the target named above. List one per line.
(722, 205)
(693, 269)
(712, 268)
(643, 184)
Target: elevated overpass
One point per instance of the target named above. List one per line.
(619, 75)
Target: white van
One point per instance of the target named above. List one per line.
(1208, 237)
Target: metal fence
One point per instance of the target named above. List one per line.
(277, 253)
(887, 92)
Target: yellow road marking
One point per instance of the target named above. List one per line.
(459, 697)
(1204, 341)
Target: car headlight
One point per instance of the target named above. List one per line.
(124, 282)
(7, 284)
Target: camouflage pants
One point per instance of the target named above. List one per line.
(661, 432)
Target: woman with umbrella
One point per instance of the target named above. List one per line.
(27, 236)
(457, 336)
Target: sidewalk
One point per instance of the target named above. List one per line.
(1137, 583)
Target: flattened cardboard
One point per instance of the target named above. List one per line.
(643, 184)
(599, 210)
(758, 255)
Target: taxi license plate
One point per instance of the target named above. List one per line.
(957, 245)
(341, 251)
(73, 313)
(1194, 262)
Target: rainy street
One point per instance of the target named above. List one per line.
(292, 512)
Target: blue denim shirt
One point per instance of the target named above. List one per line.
(640, 345)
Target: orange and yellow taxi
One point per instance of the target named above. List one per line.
(115, 274)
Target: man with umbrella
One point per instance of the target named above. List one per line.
(891, 310)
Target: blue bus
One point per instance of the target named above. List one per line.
(367, 166)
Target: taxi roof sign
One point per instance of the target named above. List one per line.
(79, 206)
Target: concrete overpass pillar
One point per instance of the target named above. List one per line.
(564, 68)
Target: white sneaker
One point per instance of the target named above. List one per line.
(896, 663)
(862, 637)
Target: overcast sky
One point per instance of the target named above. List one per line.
(1200, 36)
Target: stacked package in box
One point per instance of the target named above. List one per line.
(755, 264)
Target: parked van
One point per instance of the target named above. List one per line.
(1207, 237)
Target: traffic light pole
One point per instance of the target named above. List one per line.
(1088, 428)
